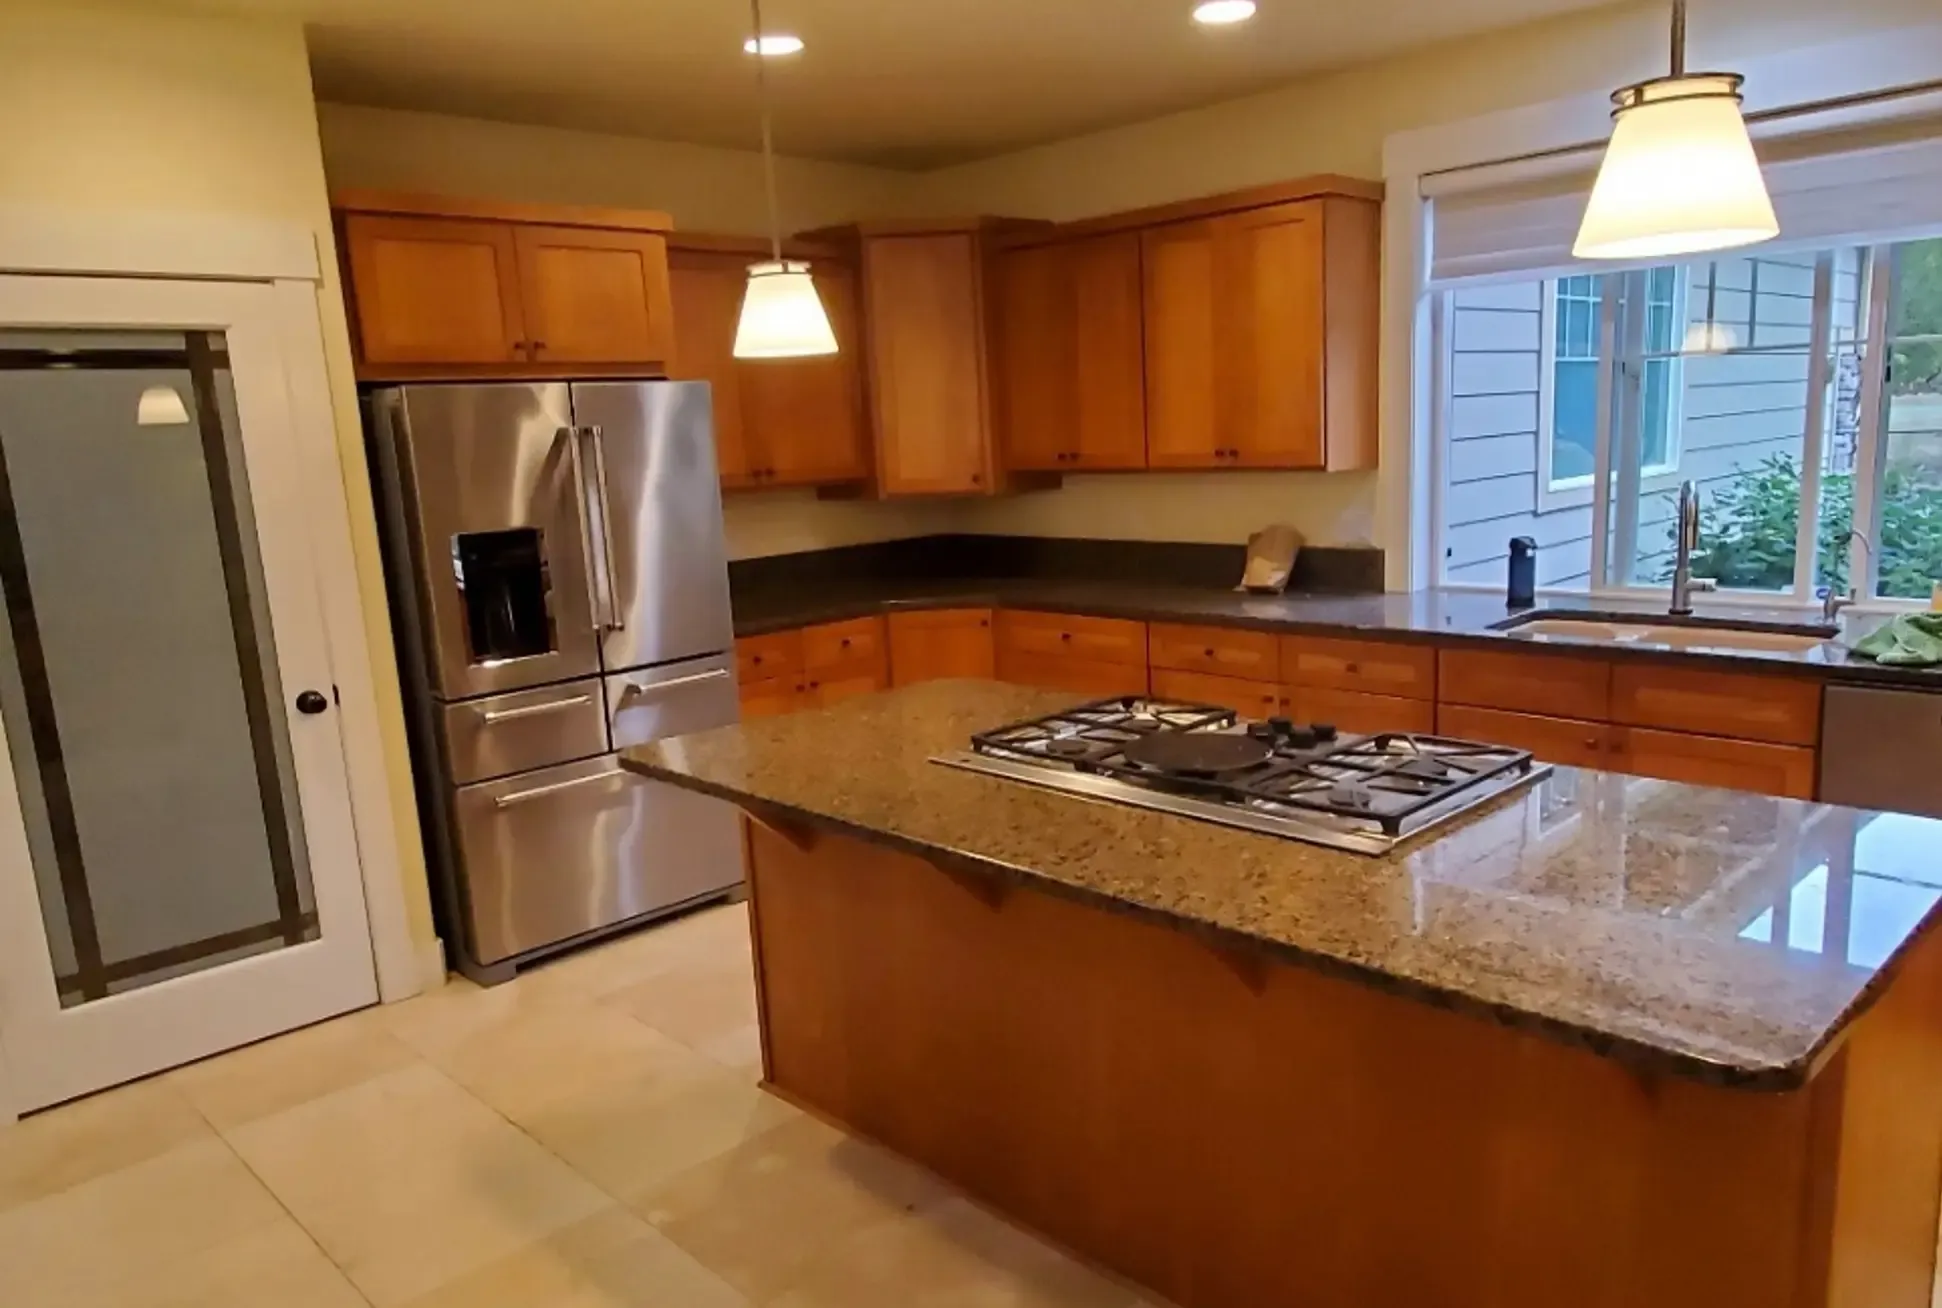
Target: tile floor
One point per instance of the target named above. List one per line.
(588, 1136)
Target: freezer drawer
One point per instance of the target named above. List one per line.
(675, 700)
(503, 734)
(554, 854)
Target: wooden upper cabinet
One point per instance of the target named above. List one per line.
(924, 314)
(805, 416)
(595, 296)
(778, 422)
(477, 288)
(706, 290)
(1069, 355)
(428, 290)
(1260, 337)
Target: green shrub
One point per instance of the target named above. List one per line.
(1747, 531)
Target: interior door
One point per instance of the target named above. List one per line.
(178, 867)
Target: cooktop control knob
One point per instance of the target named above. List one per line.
(1324, 731)
(1302, 738)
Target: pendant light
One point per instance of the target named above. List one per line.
(1679, 175)
(160, 406)
(782, 316)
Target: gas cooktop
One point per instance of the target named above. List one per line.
(1304, 782)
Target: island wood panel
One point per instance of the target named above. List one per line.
(1372, 666)
(1223, 651)
(430, 290)
(1251, 699)
(593, 296)
(1563, 741)
(941, 643)
(1550, 685)
(1238, 1133)
(1358, 711)
(1782, 710)
(1786, 770)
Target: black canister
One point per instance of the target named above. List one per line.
(1522, 593)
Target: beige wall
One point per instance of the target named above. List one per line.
(135, 109)
(1336, 123)
(705, 189)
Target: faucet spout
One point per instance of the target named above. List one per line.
(1685, 541)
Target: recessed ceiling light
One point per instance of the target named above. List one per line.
(778, 44)
(1218, 13)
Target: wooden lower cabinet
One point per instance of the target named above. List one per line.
(1781, 710)
(1564, 741)
(941, 643)
(828, 691)
(1357, 712)
(771, 697)
(1251, 699)
(1785, 770)
(1552, 685)
(1081, 676)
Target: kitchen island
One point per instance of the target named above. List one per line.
(1606, 1042)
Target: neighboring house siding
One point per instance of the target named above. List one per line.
(1737, 410)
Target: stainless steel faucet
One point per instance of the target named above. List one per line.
(1685, 541)
(1832, 603)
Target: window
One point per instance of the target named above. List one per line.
(1711, 376)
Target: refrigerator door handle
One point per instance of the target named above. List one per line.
(614, 622)
(572, 435)
(636, 690)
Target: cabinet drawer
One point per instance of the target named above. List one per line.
(1102, 640)
(1552, 685)
(1251, 699)
(1781, 710)
(824, 691)
(778, 654)
(1251, 655)
(856, 645)
(1092, 677)
(770, 697)
(1564, 741)
(1785, 770)
(1357, 712)
(527, 729)
(1374, 667)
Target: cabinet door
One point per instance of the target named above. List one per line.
(1037, 365)
(1089, 677)
(1109, 353)
(923, 307)
(1359, 712)
(1552, 685)
(805, 416)
(771, 697)
(1251, 699)
(1553, 740)
(1222, 651)
(829, 691)
(1785, 770)
(1268, 335)
(595, 296)
(945, 643)
(846, 648)
(428, 290)
(706, 290)
(1781, 710)
(1182, 425)
(1370, 666)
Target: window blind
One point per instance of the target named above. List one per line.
(1852, 187)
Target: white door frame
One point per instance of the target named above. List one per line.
(286, 256)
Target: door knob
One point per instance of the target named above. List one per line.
(312, 701)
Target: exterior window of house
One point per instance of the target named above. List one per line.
(1790, 386)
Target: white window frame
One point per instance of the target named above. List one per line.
(1554, 493)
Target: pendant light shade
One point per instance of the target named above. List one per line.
(160, 406)
(1679, 175)
(782, 316)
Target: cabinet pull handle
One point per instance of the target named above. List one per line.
(492, 717)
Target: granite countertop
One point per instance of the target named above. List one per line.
(1445, 616)
(1628, 916)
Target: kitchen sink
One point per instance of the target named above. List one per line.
(1690, 633)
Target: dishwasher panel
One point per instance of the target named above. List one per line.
(1882, 750)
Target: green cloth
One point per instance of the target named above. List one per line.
(1912, 640)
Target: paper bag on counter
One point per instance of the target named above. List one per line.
(1270, 560)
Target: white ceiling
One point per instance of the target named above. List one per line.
(902, 83)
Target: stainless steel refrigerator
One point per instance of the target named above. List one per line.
(559, 585)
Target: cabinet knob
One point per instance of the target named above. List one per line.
(1065, 635)
(538, 346)
(1351, 668)
(845, 642)
(1208, 653)
(977, 479)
